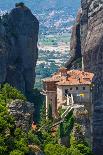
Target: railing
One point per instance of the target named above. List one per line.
(66, 111)
(69, 107)
(63, 116)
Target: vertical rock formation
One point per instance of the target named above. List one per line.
(92, 44)
(3, 53)
(21, 28)
(91, 47)
(75, 43)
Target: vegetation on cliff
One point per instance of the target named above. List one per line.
(48, 138)
(14, 141)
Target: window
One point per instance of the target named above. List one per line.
(70, 88)
(76, 88)
(83, 88)
(66, 92)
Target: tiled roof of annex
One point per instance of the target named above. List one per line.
(71, 77)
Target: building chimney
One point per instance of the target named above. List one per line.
(67, 76)
(80, 81)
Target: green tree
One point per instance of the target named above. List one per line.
(50, 112)
(57, 149)
(10, 93)
(17, 152)
(10, 138)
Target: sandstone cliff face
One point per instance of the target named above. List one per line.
(23, 113)
(92, 50)
(20, 53)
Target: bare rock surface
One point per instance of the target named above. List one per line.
(75, 43)
(18, 50)
(3, 53)
(91, 46)
(92, 50)
(23, 113)
(82, 119)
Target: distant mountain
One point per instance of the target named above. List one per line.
(55, 16)
(41, 4)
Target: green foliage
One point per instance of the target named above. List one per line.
(85, 150)
(48, 139)
(61, 130)
(16, 152)
(61, 111)
(81, 138)
(37, 98)
(50, 112)
(80, 149)
(10, 93)
(12, 141)
(67, 125)
(33, 138)
(74, 151)
(79, 146)
(42, 114)
(57, 149)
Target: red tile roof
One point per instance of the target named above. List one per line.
(72, 77)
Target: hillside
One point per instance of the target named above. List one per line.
(56, 18)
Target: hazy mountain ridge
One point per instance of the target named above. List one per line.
(41, 4)
(54, 15)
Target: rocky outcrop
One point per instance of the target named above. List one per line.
(75, 43)
(36, 150)
(3, 53)
(81, 127)
(92, 45)
(19, 53)
(23, 113)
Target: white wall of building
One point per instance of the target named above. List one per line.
(75, 90)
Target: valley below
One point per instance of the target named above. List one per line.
(56, 22)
